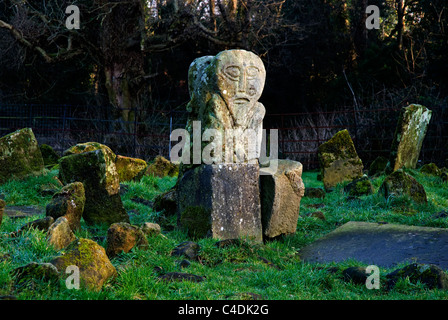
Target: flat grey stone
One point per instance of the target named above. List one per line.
(383, 245)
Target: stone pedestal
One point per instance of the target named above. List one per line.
(282, 189)
(221, 200)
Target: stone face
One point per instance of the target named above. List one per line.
(122, 237)
(60, 235)
(69, 203)
(224, 92)
(281, 192)
(94, 266)
(130, 169)
(399, 183)
(222, 200)
(409, 134)
(97, 172)
(19, 155)
(162, 167)
(338, 160)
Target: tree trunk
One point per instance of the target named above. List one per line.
(123, 57)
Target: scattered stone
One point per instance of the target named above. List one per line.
(184, 264)
(94, 266)
(359, 187)
(130, 169)
(166, 202)
(409, 135)
(69, 203)
(429, 274)
(318, 214)
(60, 234)
(399, 183)
(161, 167)
(84, 147)
(151, 229)
(2, 208)
(20, 155)
(188, 249)
(142, 201)
(179, 276)
(431, 169)
(49, 156)
(378, 166)
(30, 274)
(97, 172)
(318, 193)
(339, 161)
(122, 237)
(441, 214)
(357, 275)
(282, 189)
(39, 224)
(222, 200)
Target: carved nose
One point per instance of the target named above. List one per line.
(242, 83)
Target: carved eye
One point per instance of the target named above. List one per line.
(233, 72)
(252, 72)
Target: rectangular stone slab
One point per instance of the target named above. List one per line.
(384, 245)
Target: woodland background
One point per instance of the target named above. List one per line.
(130, 58)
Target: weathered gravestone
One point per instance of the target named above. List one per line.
(218, 188)
(93, 164)
(384, 245)
(409, 135)
(338, 160)
(19, 155)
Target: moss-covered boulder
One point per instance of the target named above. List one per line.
(378, 166)
(69, 203)
(33, 273)
(281, 190)
(359, 187)
(161, 167)
(49, 156)
(429, 274)
(409, 135)
(97, 172)
(130, 169)
(85, 147)
(2, 209)
(399, 183)
(431, 169)
(317, 193)
(122, 237)
(60, 235)
(94, 266)
(20, 155)
(338, 160)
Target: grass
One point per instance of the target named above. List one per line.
(272, 270)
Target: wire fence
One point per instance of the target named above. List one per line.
(147, 133)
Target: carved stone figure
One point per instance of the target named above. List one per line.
(224, 92)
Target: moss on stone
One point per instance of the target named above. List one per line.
(130, 169)
(197, 220)
(49, 156)
(399, 183)
(340, 146)
(431, 169)
(162, 167)
(378, 166)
